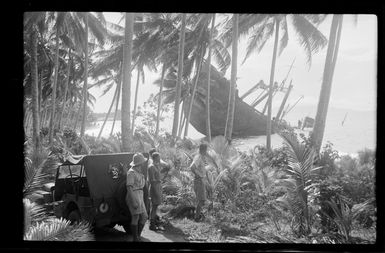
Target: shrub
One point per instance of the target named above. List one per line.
(366, 156)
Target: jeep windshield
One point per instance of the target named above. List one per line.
(67, 171)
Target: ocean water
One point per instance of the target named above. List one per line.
(356, 133)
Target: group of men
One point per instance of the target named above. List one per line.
(142, 182)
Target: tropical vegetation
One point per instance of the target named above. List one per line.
(298, 193)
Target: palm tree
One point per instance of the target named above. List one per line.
(59, 21)
(262, 26)
(299, 184)
(208, 125)
(330, 62)
(85, 79)
(117, 103)
(231, 103)
(196, 42)
(109, 110)
(199, 35)
(97, 27)
(126, 85)
(34, 24)
(35, 112)
(180, 73)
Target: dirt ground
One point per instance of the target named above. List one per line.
(118, 234)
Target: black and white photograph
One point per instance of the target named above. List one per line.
(194, 128)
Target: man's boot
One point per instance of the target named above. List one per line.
(158, 222)
(134, 231)
(140, 229)
(153, 225)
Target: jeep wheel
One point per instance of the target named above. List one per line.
(74, 216)
(127, 228)
(111, 225)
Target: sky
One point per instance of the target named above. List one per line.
(354, 82)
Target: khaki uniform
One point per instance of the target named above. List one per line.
(155, 177)
(200, 181)
(137, 181)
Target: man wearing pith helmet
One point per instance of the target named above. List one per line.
(134, 199)
(201, 179)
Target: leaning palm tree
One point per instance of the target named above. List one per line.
(180, 73)
(263, 26)
(196, 43)
(330, 62)
(231, 103)
(97, 28)
(208, 125)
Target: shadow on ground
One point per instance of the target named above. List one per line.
(170, 234)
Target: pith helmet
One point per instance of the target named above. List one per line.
(138, 159)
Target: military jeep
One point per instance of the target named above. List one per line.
(93, 188)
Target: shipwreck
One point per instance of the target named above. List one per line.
(248, 121)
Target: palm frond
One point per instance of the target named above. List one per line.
(59, 230)
(285, 36)
(261, 34)
(221, 55)
(97, 28)
(309, 36)
(34, 176)
(32, 213)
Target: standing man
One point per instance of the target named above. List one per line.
(156, 173)
(134, 199)
(198, 168)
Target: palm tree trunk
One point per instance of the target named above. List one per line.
(108, 113)
(78, 114)
(40, 89)
(126, 88)
(231, 103)
(182, 118)
(35, 92)
(51, 122)
(82, 130)
(270, 98)
(43, 117)
(193, 93)
(182, 123)
(180, 75)
(208, 118)
(323, 103)
(159, 101)
(135, 102)
(66, 89)
(116, 108)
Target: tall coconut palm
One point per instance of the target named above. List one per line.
(35, 112)
(263, 26)
(330, 62)
(65, 89)
(180, 73)
(208, 125)
(35, 25)
(198, 69)
(159, 102)
(201, 36)
(97, 27)
(85, 79)
(231, 103)
(196, 41)
(126, 85)
(270, 97)
(109, 111)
